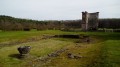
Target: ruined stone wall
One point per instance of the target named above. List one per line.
(84, 24)
(89, 21)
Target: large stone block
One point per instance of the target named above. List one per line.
(24, 50)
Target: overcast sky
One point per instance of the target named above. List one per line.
(59, 9)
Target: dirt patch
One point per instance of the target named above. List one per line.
(84, 39)
(67, 36)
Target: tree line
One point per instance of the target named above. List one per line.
(8, 23)
(113, 23)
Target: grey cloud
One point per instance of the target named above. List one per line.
(59, 9)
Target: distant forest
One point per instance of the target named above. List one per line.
(8, 23)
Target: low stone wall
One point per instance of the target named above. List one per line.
(68, 36)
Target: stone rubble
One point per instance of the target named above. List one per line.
(73, 56)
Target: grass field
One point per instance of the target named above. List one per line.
(102, 51)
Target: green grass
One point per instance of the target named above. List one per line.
(19, 35)
(89, 53)
(111, 53)
(8, 56)
(102, 52)
(108, 52)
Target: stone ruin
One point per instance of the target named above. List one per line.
(68, 36)
(73, 56)
(89, 21)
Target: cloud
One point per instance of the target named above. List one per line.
(59, 9)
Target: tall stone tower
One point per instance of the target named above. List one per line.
(89, 21)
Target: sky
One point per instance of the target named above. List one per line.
(59, 9)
